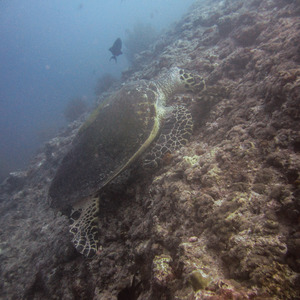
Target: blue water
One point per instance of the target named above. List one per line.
(54, 50)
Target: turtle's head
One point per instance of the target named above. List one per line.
(192, 82)
(180, 80)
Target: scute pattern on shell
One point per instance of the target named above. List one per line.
(113, 136)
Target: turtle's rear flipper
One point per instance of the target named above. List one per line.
(84, 226)
(175, 133)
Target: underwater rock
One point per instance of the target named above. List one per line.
(225, 25)
(162, 271)
(248, 35)
(15, 181)
(225, 206)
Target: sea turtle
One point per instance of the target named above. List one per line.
(136, 122)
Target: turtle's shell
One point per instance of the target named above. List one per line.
(110, 138)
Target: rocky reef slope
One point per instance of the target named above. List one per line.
(221, 218)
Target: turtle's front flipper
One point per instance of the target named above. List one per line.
(84, 226)
(175, 133)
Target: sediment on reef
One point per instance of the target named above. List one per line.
(220, 219)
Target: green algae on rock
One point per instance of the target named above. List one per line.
(199, 280)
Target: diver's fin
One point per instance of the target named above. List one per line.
(84, 226)
(175, 133)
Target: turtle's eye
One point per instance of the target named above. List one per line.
(75, 215)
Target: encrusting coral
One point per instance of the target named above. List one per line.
(220, 218)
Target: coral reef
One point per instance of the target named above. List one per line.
(221, 218)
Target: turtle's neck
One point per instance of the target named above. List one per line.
(170, 83)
